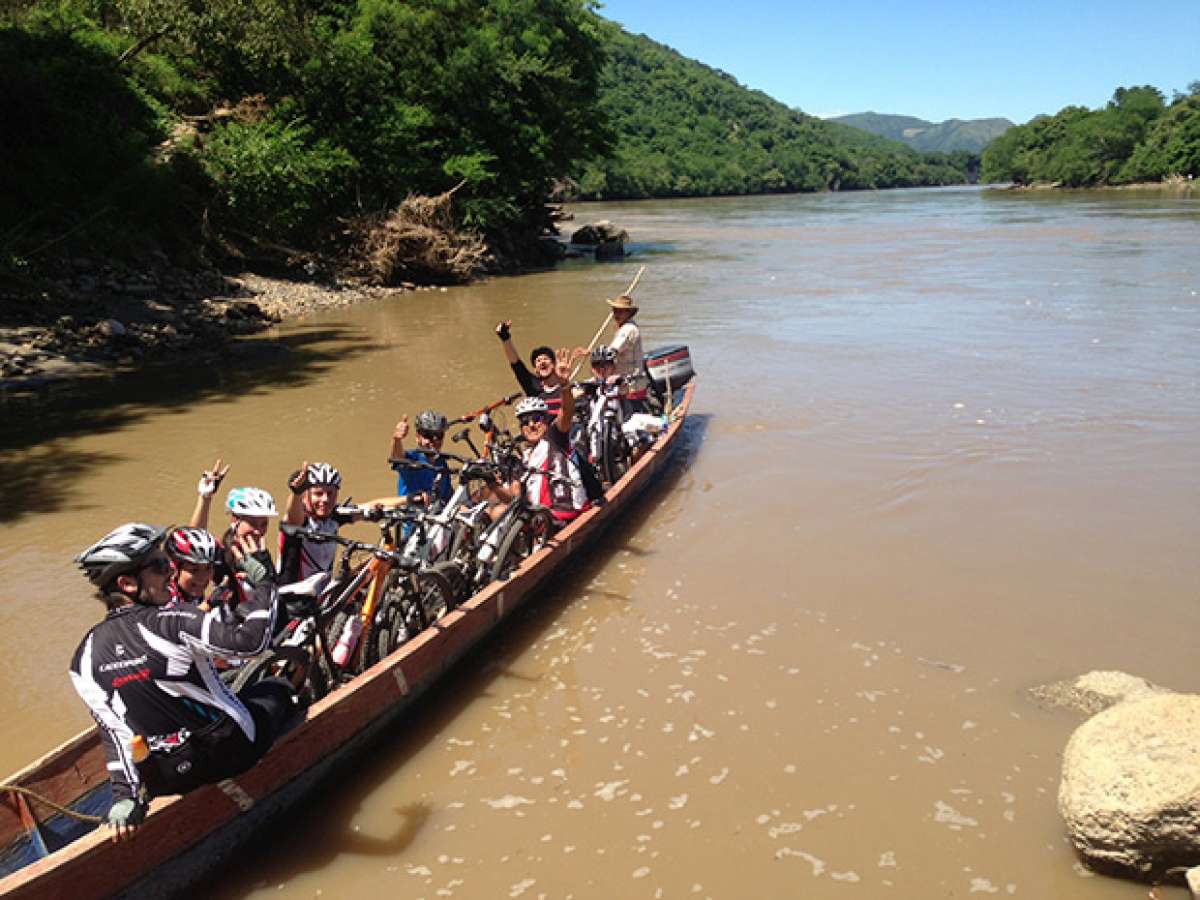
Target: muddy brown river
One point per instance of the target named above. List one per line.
(944, 448)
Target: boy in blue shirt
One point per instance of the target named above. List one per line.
(420, 483)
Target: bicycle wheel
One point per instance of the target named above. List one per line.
(615, 456)
(456, 579)
(293, 664)
(526, 535)
(435, 594)
(396, 621)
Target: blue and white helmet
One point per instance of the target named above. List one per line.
(251, 501)
(119, 552)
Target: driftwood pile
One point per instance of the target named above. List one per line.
(416, 243)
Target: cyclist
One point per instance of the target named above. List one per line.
(627, 344)
(313, 505)
(553, 478)
(543, 381)
(194, 552)
(421, 484)
(146, 672)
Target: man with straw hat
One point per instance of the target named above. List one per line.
(628, 346)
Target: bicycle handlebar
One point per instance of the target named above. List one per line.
(471, 417)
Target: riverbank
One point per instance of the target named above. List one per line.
(1175, 185)
(99, 320)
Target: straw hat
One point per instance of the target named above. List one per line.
(623, 302)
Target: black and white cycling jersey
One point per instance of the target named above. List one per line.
(148, 670)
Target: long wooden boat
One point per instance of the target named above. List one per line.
(50, 855)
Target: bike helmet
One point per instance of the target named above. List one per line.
(191, 545)
(532, 405)
(324, 475)
(432, 421)
(250, 501)
(119, 552)
(604, 356)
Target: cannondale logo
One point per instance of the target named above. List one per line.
(120, 649)
(184, 767)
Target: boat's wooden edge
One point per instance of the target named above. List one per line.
(95, 866)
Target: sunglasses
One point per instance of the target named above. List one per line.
(432, 435)
(532, 419)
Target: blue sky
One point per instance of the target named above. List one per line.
(931, 58)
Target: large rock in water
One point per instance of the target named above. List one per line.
(602, 232)
(1130, 792)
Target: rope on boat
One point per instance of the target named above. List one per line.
(82, 817)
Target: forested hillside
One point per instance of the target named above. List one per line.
(971, 135)
(685, 129)
(1137, 136)
(132, 124)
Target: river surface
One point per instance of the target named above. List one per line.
(943, 449)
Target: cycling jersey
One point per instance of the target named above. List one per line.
(148, 670)
(554, 455)
(533, 387)
(419, 481)
(301, 557)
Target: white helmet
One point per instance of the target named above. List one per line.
(119, 552)
(323, 474)
(250, 501)
(532, 405)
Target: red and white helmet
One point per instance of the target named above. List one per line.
(191, 545)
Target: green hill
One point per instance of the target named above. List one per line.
(971, 135)
(685, 129)
(1137, 136)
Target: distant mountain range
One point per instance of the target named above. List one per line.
(944, 137)
(684, 129)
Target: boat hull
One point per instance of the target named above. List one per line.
(184, 838)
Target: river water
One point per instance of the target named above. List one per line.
(943, 449)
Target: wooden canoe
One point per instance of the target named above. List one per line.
(184, 837)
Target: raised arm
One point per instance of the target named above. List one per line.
(294, 514)
(564, 359)
(399, 433)
(504, 332)
(210, 480)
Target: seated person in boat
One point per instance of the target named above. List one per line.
(313, 506)
(166, 722)
(553, 477)
(544, 381)
(194, 553)
(627, 344)
(421, 485)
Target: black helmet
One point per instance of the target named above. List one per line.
(604, 356)
(433, 422)
(119, 552)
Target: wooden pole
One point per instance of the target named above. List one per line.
(628, 293)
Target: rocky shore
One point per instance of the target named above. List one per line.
(97, 319)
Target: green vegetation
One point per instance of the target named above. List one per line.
(684, 129)
(1136, 137)
(134, 123)
(971, 135)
